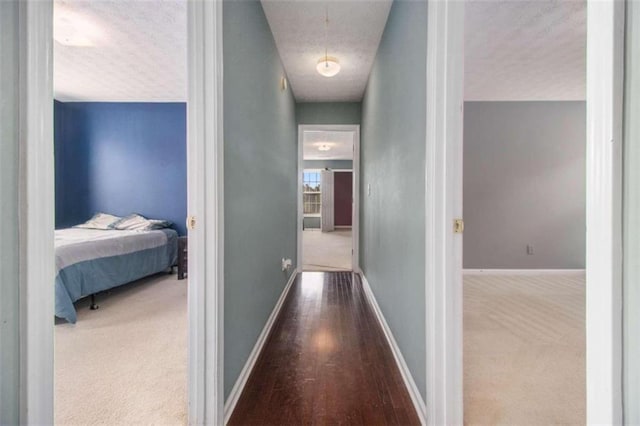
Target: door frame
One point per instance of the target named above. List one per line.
(443, 204)
(205, 176)
(355, 222)
(37, 211)
(205, 203)
(445, 76)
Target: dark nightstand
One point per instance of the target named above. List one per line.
(182, 257)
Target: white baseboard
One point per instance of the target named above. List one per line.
(414, 393)
(523, 271)
(238, 387)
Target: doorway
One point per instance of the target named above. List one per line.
(35, 367)
(328, 192)
(605, 68)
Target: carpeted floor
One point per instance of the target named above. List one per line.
(326, 251)
(524, 350)
(125, 363)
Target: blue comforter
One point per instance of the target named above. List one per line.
(89, 261)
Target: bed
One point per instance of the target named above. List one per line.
(92, 260)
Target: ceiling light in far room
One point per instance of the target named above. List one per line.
(72, 29)
(327, 66)
(324, 147)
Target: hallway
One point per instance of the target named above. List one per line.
(326, 361)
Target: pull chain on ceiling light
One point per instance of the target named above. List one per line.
(328, 66)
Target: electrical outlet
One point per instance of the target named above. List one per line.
(286, 264)
(529, 249)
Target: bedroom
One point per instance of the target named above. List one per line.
(120, 209)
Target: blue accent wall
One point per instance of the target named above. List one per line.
(120, 158)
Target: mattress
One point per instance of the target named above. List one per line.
(89, 261)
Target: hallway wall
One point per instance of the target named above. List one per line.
(10, 214)
(331, 164)
(328, 112)
(260, 195)
(392, 235)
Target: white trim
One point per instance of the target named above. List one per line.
(205, 202)
(443, 203)
(414, 393)
(238, 387)
(37, 207)
(355, 223)
(605, 70)
(523, 271)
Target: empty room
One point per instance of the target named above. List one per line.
(524, 211)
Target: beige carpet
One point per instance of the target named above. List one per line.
(125, 363)
(524, 350)
(326, 251)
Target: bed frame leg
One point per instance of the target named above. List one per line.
(93, 305)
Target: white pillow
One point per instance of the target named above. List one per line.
(100, 221)
(136, 222)
(133, 222)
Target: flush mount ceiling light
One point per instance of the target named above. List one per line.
(327, 66)
(324, 147)
(74, 30)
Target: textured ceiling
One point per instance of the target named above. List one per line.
(515, 50)
(525, 50)
(355, 28)
(138, 52)
(341, 145)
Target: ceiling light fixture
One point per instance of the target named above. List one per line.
(324, 147)
(327, 66)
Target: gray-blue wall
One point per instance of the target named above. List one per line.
(260, 161)
(328, 112)
(10, 216)
(524, 184)
(392, 236)
(329, 164)
(631, 224)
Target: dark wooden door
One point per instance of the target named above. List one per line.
(343, 196)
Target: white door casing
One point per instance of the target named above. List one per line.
(443, 263)
(605, 72)
(205, 203)
(34, 40)
(355, 223)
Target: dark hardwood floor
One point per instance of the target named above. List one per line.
(326, 361)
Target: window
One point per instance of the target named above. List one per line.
(311, 193)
